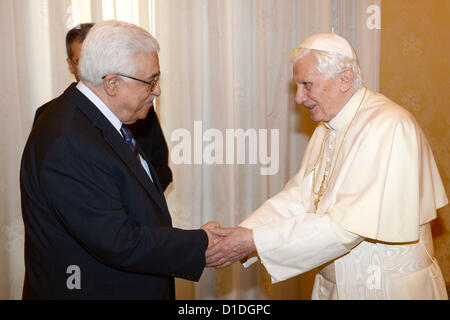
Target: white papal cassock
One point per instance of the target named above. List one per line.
(371, 233)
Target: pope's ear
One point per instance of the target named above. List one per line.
(346, 78)
(110, 84)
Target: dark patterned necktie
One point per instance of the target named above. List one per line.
(128, 136)
(129, 139)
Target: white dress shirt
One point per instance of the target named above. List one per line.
(103, 108)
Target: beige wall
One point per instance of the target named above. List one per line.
(414, 72)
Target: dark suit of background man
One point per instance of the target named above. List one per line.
(96, 220)
(147, 132)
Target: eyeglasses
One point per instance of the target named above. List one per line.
(152, 83)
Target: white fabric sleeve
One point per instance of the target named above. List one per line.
(347, 238)
(283, 205)
(296, 245)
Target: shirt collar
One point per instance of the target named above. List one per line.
(100, 105)
(343, 118)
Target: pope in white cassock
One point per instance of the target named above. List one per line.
(361, 204)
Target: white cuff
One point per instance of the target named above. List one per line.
(250, 260)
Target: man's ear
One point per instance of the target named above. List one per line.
(346, 78)
(69, 62)
(110, 84)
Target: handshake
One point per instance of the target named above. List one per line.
(227, 245)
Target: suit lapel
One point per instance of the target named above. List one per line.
(118, 144)
(150, 167)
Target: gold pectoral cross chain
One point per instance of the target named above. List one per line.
(320, 193)
(325, 181)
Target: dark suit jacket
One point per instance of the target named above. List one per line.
(88, 202)
(150, 137)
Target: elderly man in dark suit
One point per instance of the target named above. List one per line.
(148, 132)
(96, 221)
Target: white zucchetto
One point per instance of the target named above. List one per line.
(329, 42)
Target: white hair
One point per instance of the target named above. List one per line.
(331, 63)
(111, 47)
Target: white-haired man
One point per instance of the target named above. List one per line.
(361, 204)
(96, 220)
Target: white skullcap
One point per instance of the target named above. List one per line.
(330, 42)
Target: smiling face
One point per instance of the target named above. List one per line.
(322, 96)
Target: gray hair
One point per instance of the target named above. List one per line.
(111, 47)
(331, 64)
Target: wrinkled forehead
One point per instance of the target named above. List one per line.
(148, 64)
(305, 67)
